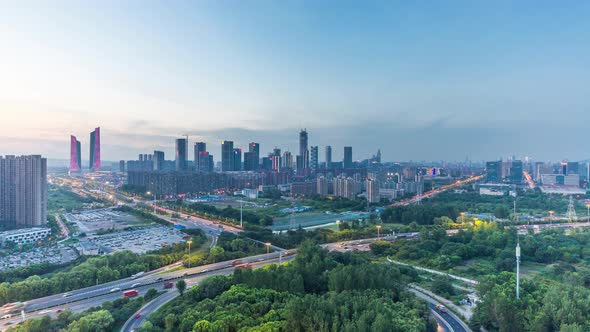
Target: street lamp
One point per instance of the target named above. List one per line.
(551, 216)
(189, 242)
(378, 231)
(267, 249)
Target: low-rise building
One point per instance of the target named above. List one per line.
(24, 236)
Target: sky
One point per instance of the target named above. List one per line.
(420, 80)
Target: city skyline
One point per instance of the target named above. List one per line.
(419, 83)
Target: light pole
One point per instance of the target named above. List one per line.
(518, 270)
(241, 219)
(189, 242)
(462, 217)
(267, 249)
(551, 216)
(378, 231)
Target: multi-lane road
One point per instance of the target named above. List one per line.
(434, 192)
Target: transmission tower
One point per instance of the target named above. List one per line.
(571, 210)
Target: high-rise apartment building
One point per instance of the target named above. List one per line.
(346, 187)
(94, 164)
(181, 154)
(373, 190)
(75, 155)
(303, 151)
(159, 158)
(322, 186)
(227, 156)
(313, 161)
(23, 191)
(328, 156)
(347, 162)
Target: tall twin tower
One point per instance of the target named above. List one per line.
(76, 153)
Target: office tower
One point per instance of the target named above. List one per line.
(373, 190)
(159, 159)
(328, 156)
(494, 171)
(266, 163)
(180, 151)
(516, 172)
(199, 150)
(573, 168)
(287, 160)
(23, 191)
(347, 162)
(252, 157)
(206, 162)
(227, 156)
(95, 150)
(313, 160)
(322, 186)
(237, 159)
(303, 152)
(121, 165)
(299, 164)
(75, 155)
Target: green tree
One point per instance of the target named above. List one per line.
(169, 321)
(181, 286)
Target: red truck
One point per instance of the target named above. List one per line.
(130, 293)
(244, 266)
(168, 285)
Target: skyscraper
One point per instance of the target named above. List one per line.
(159, 158)
(180, 150)
(227, 156)
(373, 190)
(494, 171)
(252, 157)
(237, 159)
(347, 162)
(200, 158)
(313, 161)
(75, 155)
(95, 150)
(328, 156)
(303, 151)
(23, 191)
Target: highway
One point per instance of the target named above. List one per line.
(82, 299)
(434, 192)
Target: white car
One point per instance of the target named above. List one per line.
(136, 284)
(66, 295)
(6, 316)
(116, 289)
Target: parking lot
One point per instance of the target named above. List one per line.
(55, 254)
(138, 241)
(91, 221)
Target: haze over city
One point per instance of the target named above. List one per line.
(452, 81)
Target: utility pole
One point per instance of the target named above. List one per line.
(518, 270)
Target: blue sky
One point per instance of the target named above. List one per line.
(418, 79)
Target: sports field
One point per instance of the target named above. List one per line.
(313, 219)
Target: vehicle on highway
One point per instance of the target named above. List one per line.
(159, 278)
(168, 285)
(441, 308)
(244, 266)
(236, 262)
(205, 270)
(116, 289)
(66, 295)
(136, 284)
(6, 316)
(11, 308)
(59, 310)
(137, 275)
(137, 316)
(130, 293)
(185, 274)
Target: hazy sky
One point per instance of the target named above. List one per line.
(418, 79)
